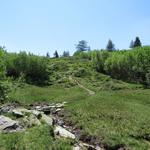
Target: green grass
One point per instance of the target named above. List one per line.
(120, 117)
(36, 138)
(30, 94)
(117, 114)
(100, 82)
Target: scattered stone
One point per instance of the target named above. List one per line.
(60, 131)
(9, 125)
(60, 122)
(57, 110)
(64, 102)
(45, 109)
(17, 113)
(76, 148)
(59, 105)
(38, 107)
(47, 119)
(23, 110)
(6, 108)
(36, 113)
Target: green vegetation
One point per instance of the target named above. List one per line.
(120, 117)
(40, 137)
(117, 114)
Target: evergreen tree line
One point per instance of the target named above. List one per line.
(83, 46)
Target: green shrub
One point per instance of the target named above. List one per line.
(98, 59)
(81, 72)
(130, 65)
(148, 79)
(3, 86)
(34, 68)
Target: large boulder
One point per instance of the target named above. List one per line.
(60, 131)
(7, 124)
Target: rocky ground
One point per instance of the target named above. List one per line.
(23, 118)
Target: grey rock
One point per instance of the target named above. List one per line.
(7, 124)
(59, 105)
(45, 109)
(17, 113)
(60, 131)
(56, 111)
(36, 113)
(76, 148)
(6, 108)
(47, 119)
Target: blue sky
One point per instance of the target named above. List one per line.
(39, 26)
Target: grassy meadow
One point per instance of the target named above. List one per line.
(114, 117)
(117, 114)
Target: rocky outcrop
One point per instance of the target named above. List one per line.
(9, 125)
(49, 114)
(47, 109)
(62, 132)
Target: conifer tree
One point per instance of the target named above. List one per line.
(110, 46)
(82, 46)
(132, 44)
(137, 42)
(56, 54)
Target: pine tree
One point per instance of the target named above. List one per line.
(137, 42)
(132, 44)
(48, 55)
(110, 46)
(56, 54)
(66, 54)
(82, 46)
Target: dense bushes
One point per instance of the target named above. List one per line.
(131, 65)
(33, 68)
(128, 65)
(2, 66)
(3, 84)
(98, 59)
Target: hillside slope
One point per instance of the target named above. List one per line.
(103, 110)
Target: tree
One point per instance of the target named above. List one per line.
(66, 54)
(56, 54)
(132, 44)
(82, 46)
(48, 55)
(110, 46)
(137, 42)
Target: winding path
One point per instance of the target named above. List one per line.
(90, 92)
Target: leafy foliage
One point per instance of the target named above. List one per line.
(4, 86)
(34, 68)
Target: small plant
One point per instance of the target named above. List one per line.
(148, 79)
(81, 72)
(4, 89)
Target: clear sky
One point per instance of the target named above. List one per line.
(39, 26)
